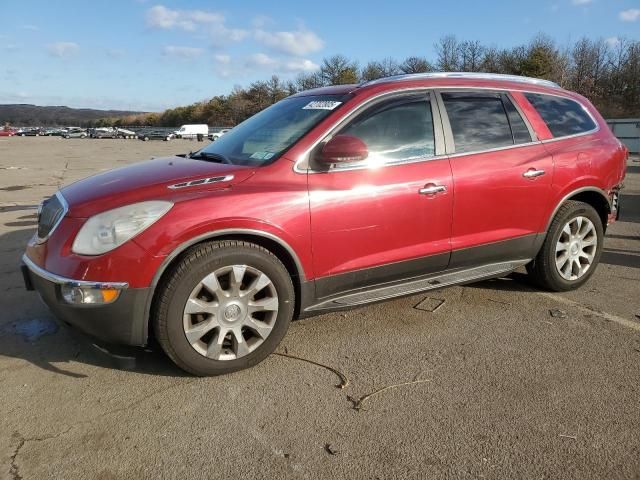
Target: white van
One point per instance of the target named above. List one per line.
(192, 131)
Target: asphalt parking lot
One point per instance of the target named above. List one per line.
(491, 380)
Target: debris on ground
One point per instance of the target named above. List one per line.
(344, 381)
(330, 449)
(499, 301)
(429, 304)
(357, 403)
(557, 313)
(573, 437)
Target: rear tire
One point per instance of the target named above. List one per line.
(572, 249)
(224, 306)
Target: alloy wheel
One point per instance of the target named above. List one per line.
(231, 312)
(576, 248)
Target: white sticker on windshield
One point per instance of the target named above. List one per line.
(261, 155)
(321, 105)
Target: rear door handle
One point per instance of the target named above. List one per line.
(432, 189)
(533, 173)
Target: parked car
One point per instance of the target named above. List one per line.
(7, 132)
(192, 131)
(30, 132)
(104, 132)
(54, 132)
(155, 135)
(75, 133)
(216, 134)
(330, 199)
(124, 133)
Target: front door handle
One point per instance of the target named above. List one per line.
(533, 173)
(432, 189)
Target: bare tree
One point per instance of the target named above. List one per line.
(415, 65)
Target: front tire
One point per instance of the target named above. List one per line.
(572, 249)
(225, 306)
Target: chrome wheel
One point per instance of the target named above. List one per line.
(576, 248)
(230, 312)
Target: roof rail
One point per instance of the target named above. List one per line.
(472, 75)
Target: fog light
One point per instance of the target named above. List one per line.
(89, 296)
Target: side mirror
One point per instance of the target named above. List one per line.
(343, 149)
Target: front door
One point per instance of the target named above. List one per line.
(388, 217)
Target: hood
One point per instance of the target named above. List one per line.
(149, 180)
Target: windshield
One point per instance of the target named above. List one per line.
(268, 134)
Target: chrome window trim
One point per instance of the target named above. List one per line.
(69, 282)
(433, 88)
(348, 116)
(65, 210)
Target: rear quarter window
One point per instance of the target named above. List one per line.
(563, 116)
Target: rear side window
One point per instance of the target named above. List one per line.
(482, 121)
(563, 116)
(397, 130)
(518, 128)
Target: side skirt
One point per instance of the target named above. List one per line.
(415, 285)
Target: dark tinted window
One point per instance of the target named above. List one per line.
(518, 128)
(396, 131)
(562, 116)
(478, 121)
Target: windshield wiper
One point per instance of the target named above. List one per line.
(215, 157)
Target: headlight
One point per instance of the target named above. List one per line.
(108, 230)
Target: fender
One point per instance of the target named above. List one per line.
(208, 236)
(590, 188)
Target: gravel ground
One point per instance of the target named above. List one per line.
(501, 381)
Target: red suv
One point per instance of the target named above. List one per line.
(332, 198)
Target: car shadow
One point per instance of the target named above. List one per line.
(630, 208)
(30, 332)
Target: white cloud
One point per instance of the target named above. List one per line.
(221, 35)
(581, 2)
(29, 27)
(300, 42)
(184, 53)
(63, 49)
(222, 58)
(300, 65)
(285, 65)
(10, 47)
(612, 41)
(260, 60)
(631, 15)
(165, 18)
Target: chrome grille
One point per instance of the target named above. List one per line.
(50, 213)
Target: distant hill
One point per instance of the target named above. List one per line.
(33, 115)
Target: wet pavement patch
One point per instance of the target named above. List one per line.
(31, 329)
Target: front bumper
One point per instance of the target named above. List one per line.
(122, 322)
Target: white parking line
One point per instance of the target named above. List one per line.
(607, 316)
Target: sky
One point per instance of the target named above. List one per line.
(147, 55)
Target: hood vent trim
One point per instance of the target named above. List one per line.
(201, 181)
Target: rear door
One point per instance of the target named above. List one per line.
(374, 221)
(502, 177)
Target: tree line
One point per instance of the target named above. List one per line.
(605, 71)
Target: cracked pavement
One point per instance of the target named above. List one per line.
(481, 381)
